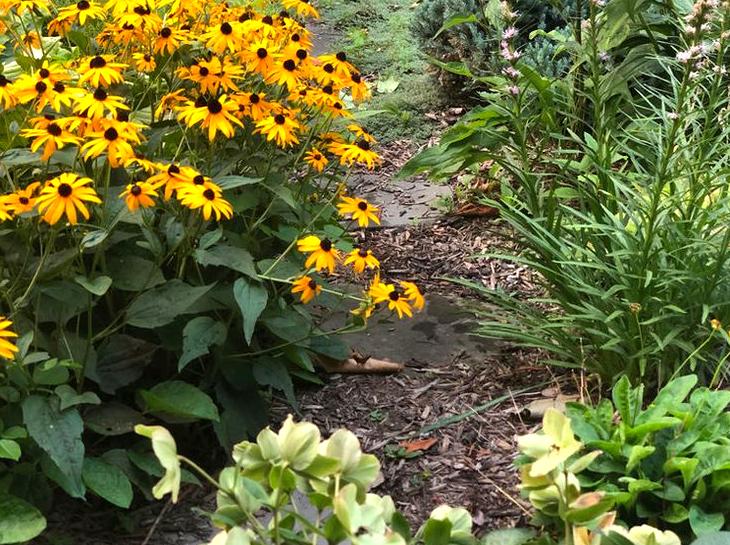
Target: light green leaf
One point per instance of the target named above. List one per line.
(509, 536)
(199, 335)
(387, 85)
(222, 255)
(97, 286)
(9, 450)
(177, 398)
(230, 182)
(704, 523)
(108, 482)
(638, 453)
(454, 20)
(161, 305)
(436, 532)
(164, 447)
(19, 520)
(251, 299)
(59, 434)
(69, 397)
(299, 442)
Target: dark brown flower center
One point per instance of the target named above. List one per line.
(147, 57)
(97, 62)
(128, 26)
(54, 130)
(295, 37)
(65, 190)
(44, 73)
(111, 134)
(123, 116)
(290, 65)
(214, 106)
(362, 252)
(23, 200)
(327, 89)
(83, 5)
(394, 295)
(268, 20)
(142, 10)
(326, 244)
(317, 157)
(341, 56)
(199, 179)
(204, 71)
(279, 119)
(301, 54)
(328, 68)
(173, 169)
(59, 87)
(312, 285)
(357, 78)
(200, 102)
(136, 190)
(261, 53)
(362, 205)
(363, 145)
(254, 98)
(338, 105)
(4, 81)
(226, 28)
(209, 194)
(100, 94)
(41, 87)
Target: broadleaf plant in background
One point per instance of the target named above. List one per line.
(614, 181)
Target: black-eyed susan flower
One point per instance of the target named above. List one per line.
(50, 135)
(108, 141)
(359, 152)
(23, 200)
(21, 6)
(361, 133)
(302, 7)
(31, 40)
(169, 102)
(66, 194)
(359, 210)
(286, 72)
(95, 105)
(101, 71)
(413, 294)
(7, 93)
(358, 88)
(6, 213)
(316, 159)
(341, 67)
(144, 62)
(222, 37)
(322, 253)
(361, 258)
(7, 348)
(169, 40)
(259, 57)
(253, 105)
(279, 127)
(208, 200)
(138, 195)
(382, 293)
(82, 11)
(216, 115)
(307, 287)
(171, 176)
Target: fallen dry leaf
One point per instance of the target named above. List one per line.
(418, 444)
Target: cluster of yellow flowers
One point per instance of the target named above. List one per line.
(208, 66)
(324, 256)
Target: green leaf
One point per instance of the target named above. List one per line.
(704, 523)
(19, 520)
(230, 182)
(9, 449)
(638, 453)
(199, 335)
(177, 398)
(161, 305)
(121, 361)
(50, 373)
(59, 434)
(97, 286)
(165, 450)
(108, 482)
(112, 418)
(437, 532)
(672, 393)
(222, 255)
(620, 394)
(454, 20)
(69, 397)
(715, 538)
(132, 273)
(251, 299)
(509, 536)
(273, 372)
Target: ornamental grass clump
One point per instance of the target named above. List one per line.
(172, 195)
(614, 181)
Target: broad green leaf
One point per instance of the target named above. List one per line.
(161, 305)
(9, 449)
(230, 182)
(97, 286)
(509, 536)
(199, 335)
(19, 520)
(621, 394)
(251, 299)
(714, 538)
(108, 482)
(165, 449)
(436, 532)
(69, 397)
(50, 373)
(454, 20)
(273, 372)
(675, 391)
(180, 399)
(132, 273)
(703, 522)
(232, 257)
(59, 434)
(112, 418)
(638, 453)
(121, 360)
